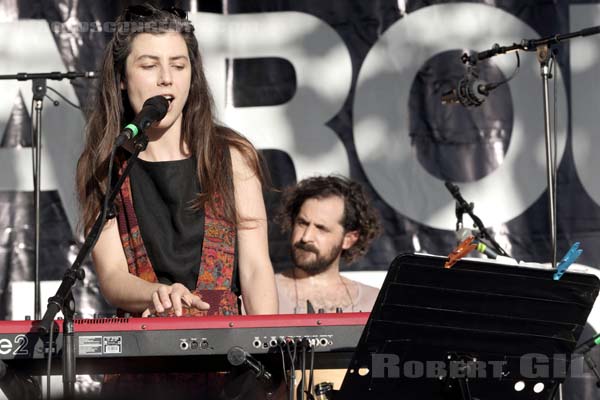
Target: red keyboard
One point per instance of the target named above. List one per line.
(181, 344)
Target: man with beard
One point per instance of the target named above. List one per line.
(330, 220)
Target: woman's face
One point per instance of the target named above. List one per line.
(158, 64)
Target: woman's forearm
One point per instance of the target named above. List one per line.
(128, 292)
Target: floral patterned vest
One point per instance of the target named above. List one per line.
(217, 262)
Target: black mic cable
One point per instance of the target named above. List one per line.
(588, 344)
(289, 341)
(312, 368)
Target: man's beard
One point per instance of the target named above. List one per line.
(320, 263)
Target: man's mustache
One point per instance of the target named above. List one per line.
(306, 247)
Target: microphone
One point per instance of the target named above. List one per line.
(238, 356)
(483, 248)
(470, 91)
(154, 109)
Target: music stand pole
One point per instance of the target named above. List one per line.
(544, 55)
(543, 48)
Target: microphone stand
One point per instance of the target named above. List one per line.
(39, 92)
(587, 347)
(63, 299)
(542, 47)
(590, 362)
(463, 207)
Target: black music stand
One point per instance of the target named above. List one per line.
(476, 331)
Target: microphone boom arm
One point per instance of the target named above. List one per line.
(527, 45)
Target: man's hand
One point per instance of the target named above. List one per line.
(174, 297)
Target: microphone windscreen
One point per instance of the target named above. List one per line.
(159, 103)
(236, 356)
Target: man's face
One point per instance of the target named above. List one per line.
(318, 236)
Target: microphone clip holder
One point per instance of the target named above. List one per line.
(460, 210)
(462, 206)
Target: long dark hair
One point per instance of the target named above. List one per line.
(208, 141)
